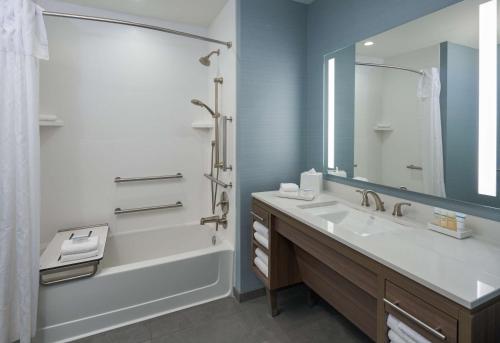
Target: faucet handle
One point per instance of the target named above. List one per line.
(397, 208)
(364, 201)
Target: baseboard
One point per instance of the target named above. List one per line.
(242, 297)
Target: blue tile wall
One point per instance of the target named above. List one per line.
(271, 106)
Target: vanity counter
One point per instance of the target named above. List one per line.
(464, 271)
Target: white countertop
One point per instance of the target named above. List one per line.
(465, 271)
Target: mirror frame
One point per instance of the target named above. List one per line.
(469, 208)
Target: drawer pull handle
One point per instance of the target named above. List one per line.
(256, 216)
(416, 320)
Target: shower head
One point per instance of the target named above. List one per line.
(202, 104)
(205, 60)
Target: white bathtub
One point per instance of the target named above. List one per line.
(143, 274)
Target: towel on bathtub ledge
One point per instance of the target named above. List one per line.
(81, 256)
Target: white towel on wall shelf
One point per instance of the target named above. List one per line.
(261, 266)
(404, 331)
(261, 239)
(264, 231)
(262, 255)
(81, 256)
(78, 246)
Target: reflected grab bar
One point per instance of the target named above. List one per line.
(414, 167)
(118, 210)
(148, 178)
(220, 183)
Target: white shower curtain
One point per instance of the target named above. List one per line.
(429, 89)
(23, 42)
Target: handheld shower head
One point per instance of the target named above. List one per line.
(202, 104)
(205, 60)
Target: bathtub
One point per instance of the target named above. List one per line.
(143, 275)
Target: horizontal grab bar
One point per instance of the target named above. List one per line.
(414, 167)
(148, 178)
(118, 210)
(220, 183)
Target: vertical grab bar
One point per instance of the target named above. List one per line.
(225, 166)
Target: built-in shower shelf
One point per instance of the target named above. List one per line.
(383, 128)
(50, 121)
(202, 125)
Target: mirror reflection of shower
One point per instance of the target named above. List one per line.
(215, 163)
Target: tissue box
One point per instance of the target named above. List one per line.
(312, 180)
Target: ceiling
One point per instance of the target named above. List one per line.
(458, 24)
(192, 12)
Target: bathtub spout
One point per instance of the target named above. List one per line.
(214, 219)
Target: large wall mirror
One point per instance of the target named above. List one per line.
(415, 108)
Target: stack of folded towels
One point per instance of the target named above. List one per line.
(79, 248)
(399, 332)
(261, 235)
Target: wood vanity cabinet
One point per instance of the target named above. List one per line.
(361, 289)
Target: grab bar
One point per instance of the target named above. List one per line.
(414, 167)
(148, 178)
(428, 328)
(118, 210)
(220, 183)
(225, 166)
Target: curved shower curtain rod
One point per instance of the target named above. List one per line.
(132, 23)
(389, 67)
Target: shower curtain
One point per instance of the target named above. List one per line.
(429, 89)
(22, 43)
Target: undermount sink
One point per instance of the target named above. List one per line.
(347, 218)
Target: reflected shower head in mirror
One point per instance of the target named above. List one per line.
(205, 60)
(202, 104)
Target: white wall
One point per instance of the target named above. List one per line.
(368, 112)
(390, 96)
(224, 28)
(124, 95)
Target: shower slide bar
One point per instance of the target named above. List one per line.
(118, 210)
(220, 183)
(148, 178)
(135, 24)
(225, 166)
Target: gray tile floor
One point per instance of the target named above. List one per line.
(228, 321)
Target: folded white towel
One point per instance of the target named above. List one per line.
(81, 256)
(262, 267)
(395, 338)
(360, 178)
(78, 246)
(258, 227)
(289, 187)
(261, 239)
(412, 335)
(404, 331)
(262, 255)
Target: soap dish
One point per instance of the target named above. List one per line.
(456, 234)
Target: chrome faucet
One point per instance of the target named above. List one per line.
(215, 219)
(397, 208)
(379, 204)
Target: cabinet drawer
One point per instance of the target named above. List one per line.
(421, 316)
(260, 215)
